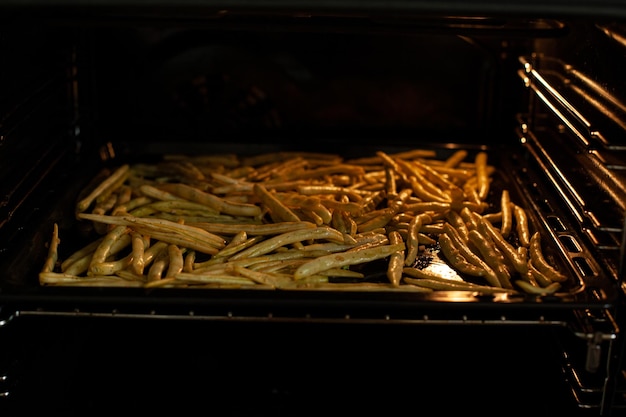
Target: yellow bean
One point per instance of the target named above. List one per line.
(190, 259)
(531, 289)
(283, 239)
(361, 287)
(138, 244)
(79, 266)
(103, 249)
(254, 229)
(396, 260)
(338, 260)
(171, 232)
(456, 221)
(455, 159)
(412, 242)
(175, 264)
(352, 170)
(425, 194)
(158, 194)
(105, 185)
(539, 261)
(422, 186)
(54, 278)
(237, 247)
(173, 206)
(385, 215)
(133, 206)
(221, 205)
(260, 277)
(507, 216)
(537, 276)
(458, 261)
(165, 282)
(153, 252)
(53, 250)
(277, 210)
(111, 267)
(521, 225)
(159, 265)
(491, 277)
(390, 182)
(491, 258)
(482, 175)
(80, 253)
(519, 263)
(239, 237)
(376, 219)
(441, 284)
(214, 278)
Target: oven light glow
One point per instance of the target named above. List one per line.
(444, 271)
(452, 296)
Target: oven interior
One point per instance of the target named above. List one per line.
(85, 89)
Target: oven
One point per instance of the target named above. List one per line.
(367, 129)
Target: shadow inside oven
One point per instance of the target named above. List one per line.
(80, 366)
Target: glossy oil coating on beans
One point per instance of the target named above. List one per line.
(298, 220)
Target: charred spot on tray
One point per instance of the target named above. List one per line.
(426, 256)
(423, 261)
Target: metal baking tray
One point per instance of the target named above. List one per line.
(586, 287)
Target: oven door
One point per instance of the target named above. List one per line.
(129, 85)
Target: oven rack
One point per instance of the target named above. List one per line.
(232, 316)
(584, 322)
(557, 131)
(599, 389)
(592, 113)
(591, 395)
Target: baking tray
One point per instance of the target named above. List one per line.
(24, 258)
